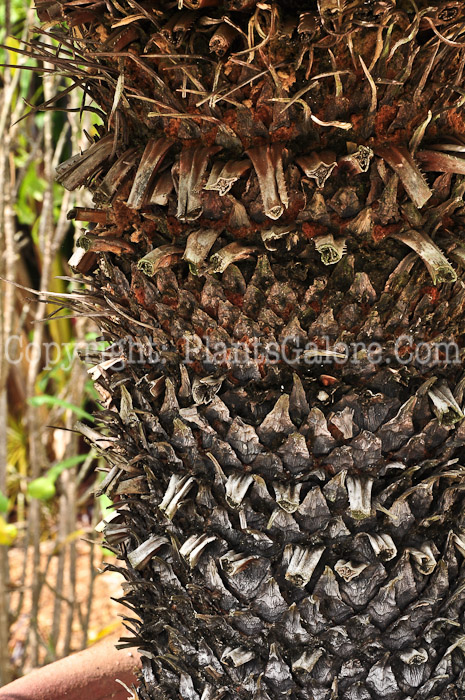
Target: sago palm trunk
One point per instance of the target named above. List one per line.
(276, 256)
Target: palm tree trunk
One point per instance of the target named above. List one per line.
(276, 259)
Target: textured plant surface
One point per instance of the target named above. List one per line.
(271, 173)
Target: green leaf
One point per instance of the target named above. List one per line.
(42, 488)
(3, 503)
(47, 400)
(57, 469)
(106, 506)
(60, 369)
(30, 193)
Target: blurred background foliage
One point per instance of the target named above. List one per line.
(49, 551)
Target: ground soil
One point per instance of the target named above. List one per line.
(104, 615)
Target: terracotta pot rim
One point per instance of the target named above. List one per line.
(90, 673)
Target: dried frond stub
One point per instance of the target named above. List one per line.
(459, 542)
(362, 289)
(50, 11)
(363, 223)
(198, 246)
(238, 217)
(287, 496)
(140, 557)
(116, 176)
(113, 517)
(269, 603)
(329, 8)
(193, 547)
(223, 38)
(229, 254)
(85, 241)
(96, 216)
(308, 660)
(308, 25)
(234, 562)
(98, 370)
(199, 4)
(438, 266)
(458, 643)
(237, 486)
(162, 189)
(457, 255)
(424, 559)
(152, 158)
(182, 436)
(348, 570)
(76, 257)
(268, 164)
(102, 244)
(444, 405)
(237, 657)
(317, 209)
(277, 422)
(358, 158)
(205, 388)
(359, 492)
(191, 169)
(401, 161)
(79, 169)
(135, 485)
(302, 564)
(318, 166)
(240, 5)
(164, 256)
(180, 23)
(178, 488)
(115, 533)
(330, 249)
(439, 162)
(223, 175)
(414, 657)
(275, 233)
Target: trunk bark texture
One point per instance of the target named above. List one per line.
(276, 257)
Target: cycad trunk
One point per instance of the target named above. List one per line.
(283, 425)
